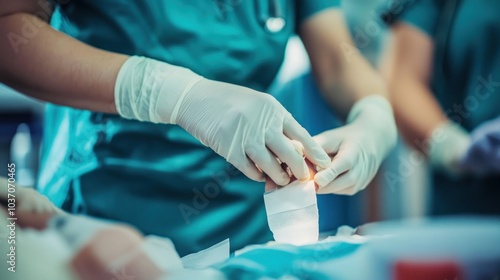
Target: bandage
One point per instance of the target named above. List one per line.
(292, 213)
(208, 257)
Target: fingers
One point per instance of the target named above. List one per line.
(249, 169)
(286, 151)
(298, 147)
(313, 151)
(330, 140)
(270, 185)
(269, 164)
(341, 163)
(344, 184)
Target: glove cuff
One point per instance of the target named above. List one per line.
(150, 90)
(447, 143)
(375, 113)
(372, 102)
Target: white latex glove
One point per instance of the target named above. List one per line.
(249, 129)
(358, 148)
(448, 143)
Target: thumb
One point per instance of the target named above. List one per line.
(330, 140)
(341, 163)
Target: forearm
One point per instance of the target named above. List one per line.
(342, 73)
(416, 111)
(353, 81)
(424, 126)
(356, 93)
(407, 68)
(54, 67)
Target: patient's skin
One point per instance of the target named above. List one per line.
(29, 219)
(33, 210)
(114, 251)
(27, 199)
(270, 185)
(102, 255)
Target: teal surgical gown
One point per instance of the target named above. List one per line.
(158, 177)
(466, 82)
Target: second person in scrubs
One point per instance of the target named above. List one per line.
(443, 67)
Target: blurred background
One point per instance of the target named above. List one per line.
(21, 128)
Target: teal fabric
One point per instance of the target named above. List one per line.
(466, 82)
(306, 9)
(158, 177)
(429, 22)
(471, 57)
(282, 261)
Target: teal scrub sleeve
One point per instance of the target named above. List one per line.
(307, 8)
(424, 15)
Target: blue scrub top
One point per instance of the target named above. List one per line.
(158, 177)
(466, 82)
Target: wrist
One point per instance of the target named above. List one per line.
(150, 90)
(376, 114)
(372, 103)
(447, 144)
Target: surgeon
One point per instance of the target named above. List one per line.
(170, 129)
(443, 68)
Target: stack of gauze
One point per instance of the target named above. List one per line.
(292, 212)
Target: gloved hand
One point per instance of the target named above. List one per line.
(358, 148)
(483, 154)
(271, 185)
(249, 129)
(447, 145)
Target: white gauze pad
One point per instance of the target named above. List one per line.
(292, 213)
